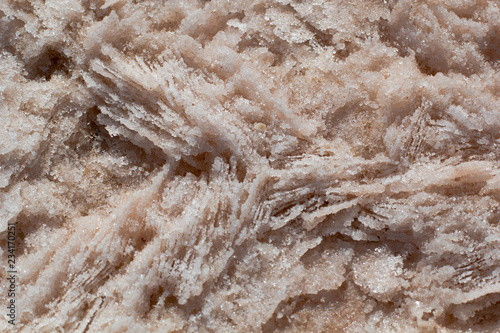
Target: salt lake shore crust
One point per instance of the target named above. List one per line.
(251, 166)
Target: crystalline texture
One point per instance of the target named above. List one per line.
(247, 166)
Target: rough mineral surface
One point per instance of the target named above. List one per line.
(248, 166)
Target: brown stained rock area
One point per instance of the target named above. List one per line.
(251, 166)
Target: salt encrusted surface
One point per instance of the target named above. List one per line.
(246, 166)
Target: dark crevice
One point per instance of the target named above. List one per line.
(459, 189)
(196, 165)
(349, 49)
(433, 55)
(248, 41)
(9, 28)
(92, 317)
(204, 34)
(322, 38)
(280, 51)
(490, 47)
(25, 6)
(171, 24)
(277, 48)
(48, 63)
(481, 318)
(26, 225)
(425, 67)
(95, 6)
(183, 168)
(155, 295)
(391, 39)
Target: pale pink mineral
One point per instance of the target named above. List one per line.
(248, 166)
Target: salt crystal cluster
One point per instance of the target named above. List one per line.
(248, 166)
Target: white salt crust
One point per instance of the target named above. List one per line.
(248, 166)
